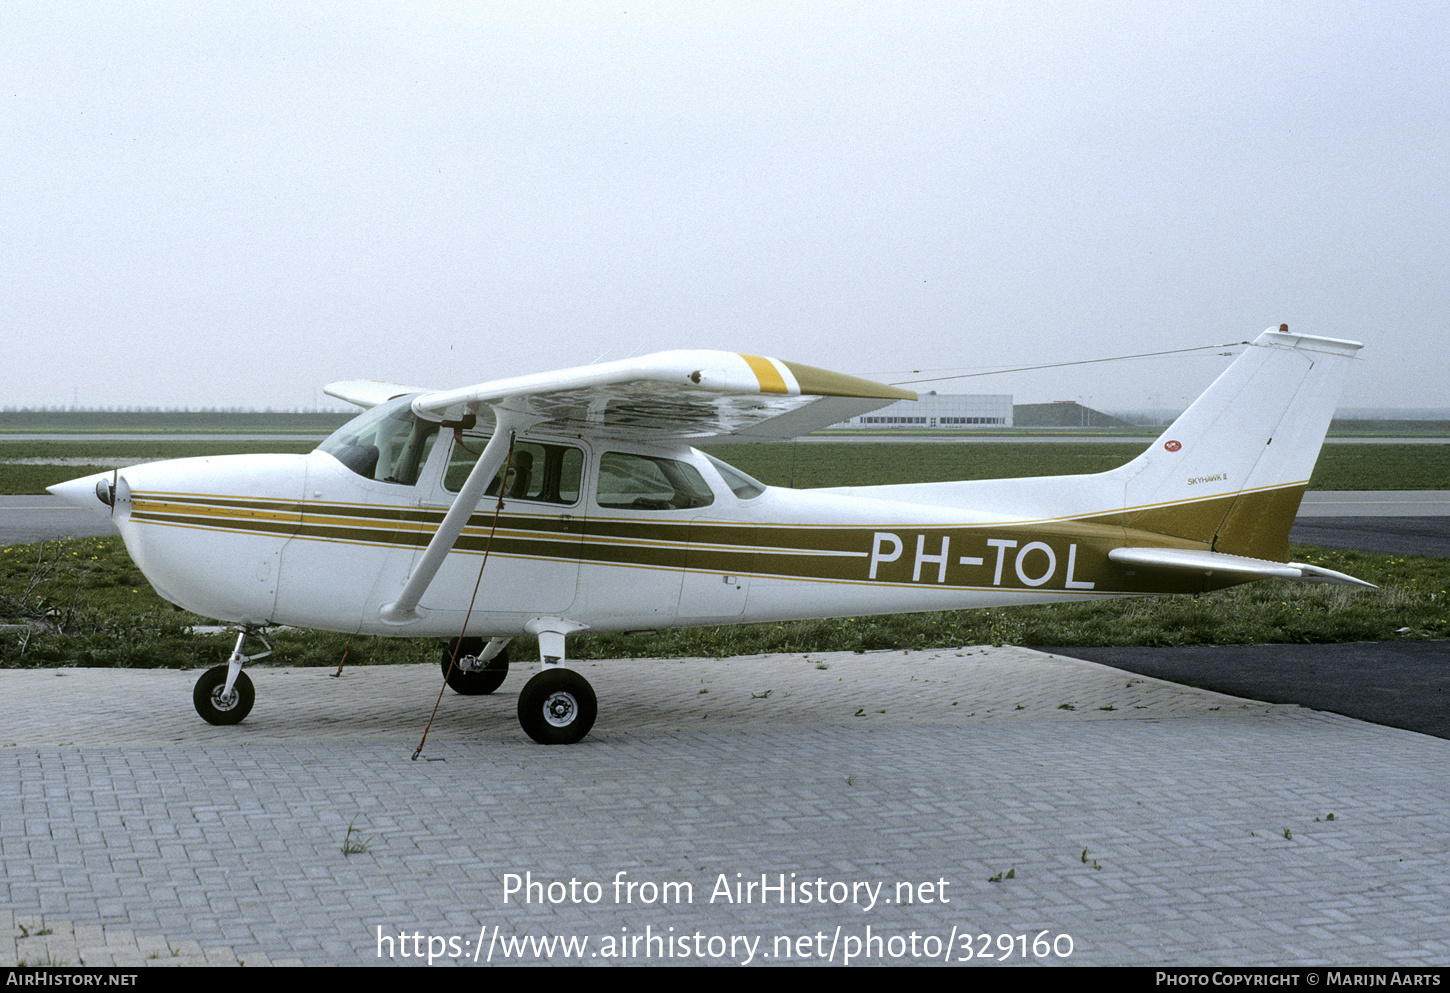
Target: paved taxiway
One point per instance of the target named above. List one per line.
(1152, 823)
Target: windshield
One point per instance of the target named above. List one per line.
(388, 443)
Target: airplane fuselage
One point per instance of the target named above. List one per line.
(305, 541)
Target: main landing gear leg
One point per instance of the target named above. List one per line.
(557, 706)
(224, 693)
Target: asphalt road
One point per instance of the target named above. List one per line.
(1402, 684)
(1387, 535)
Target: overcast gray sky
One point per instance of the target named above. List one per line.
(235, 203)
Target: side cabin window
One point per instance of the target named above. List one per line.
(388, 443)
(537, 471)
(639, 482)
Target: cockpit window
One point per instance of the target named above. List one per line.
(637, 482)
(388, 443)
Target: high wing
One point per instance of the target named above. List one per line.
(691, 395)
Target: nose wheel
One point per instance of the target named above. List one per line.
(557, 707)
(215, 704)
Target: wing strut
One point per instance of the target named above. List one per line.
(508, 423)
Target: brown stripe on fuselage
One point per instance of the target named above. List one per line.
(1071, 554)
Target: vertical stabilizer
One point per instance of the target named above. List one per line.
(1232, 469)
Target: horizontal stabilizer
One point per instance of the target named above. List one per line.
(1218, 563)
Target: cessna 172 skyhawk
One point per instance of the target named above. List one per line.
(574, 500)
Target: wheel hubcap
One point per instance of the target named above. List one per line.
(560, 709)
(223, 701)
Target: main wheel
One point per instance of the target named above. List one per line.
(217, 708)
(477, 681)
(557, 707)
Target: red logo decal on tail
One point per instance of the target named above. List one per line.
(1172, 446)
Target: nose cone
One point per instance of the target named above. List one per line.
(94, 494)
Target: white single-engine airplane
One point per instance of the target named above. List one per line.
(574, 500)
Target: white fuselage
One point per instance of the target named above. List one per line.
(302, 540)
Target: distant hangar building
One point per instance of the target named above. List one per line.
(950, 411)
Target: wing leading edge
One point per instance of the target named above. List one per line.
(692, 395)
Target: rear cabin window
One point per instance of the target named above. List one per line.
(639, 482)
(536, 471)
(743, 486)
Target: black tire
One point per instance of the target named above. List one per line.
(474, 683)
(213, 707)
(557, 707)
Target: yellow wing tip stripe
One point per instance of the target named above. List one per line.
(766, 374)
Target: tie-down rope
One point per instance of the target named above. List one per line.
(458, 642)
